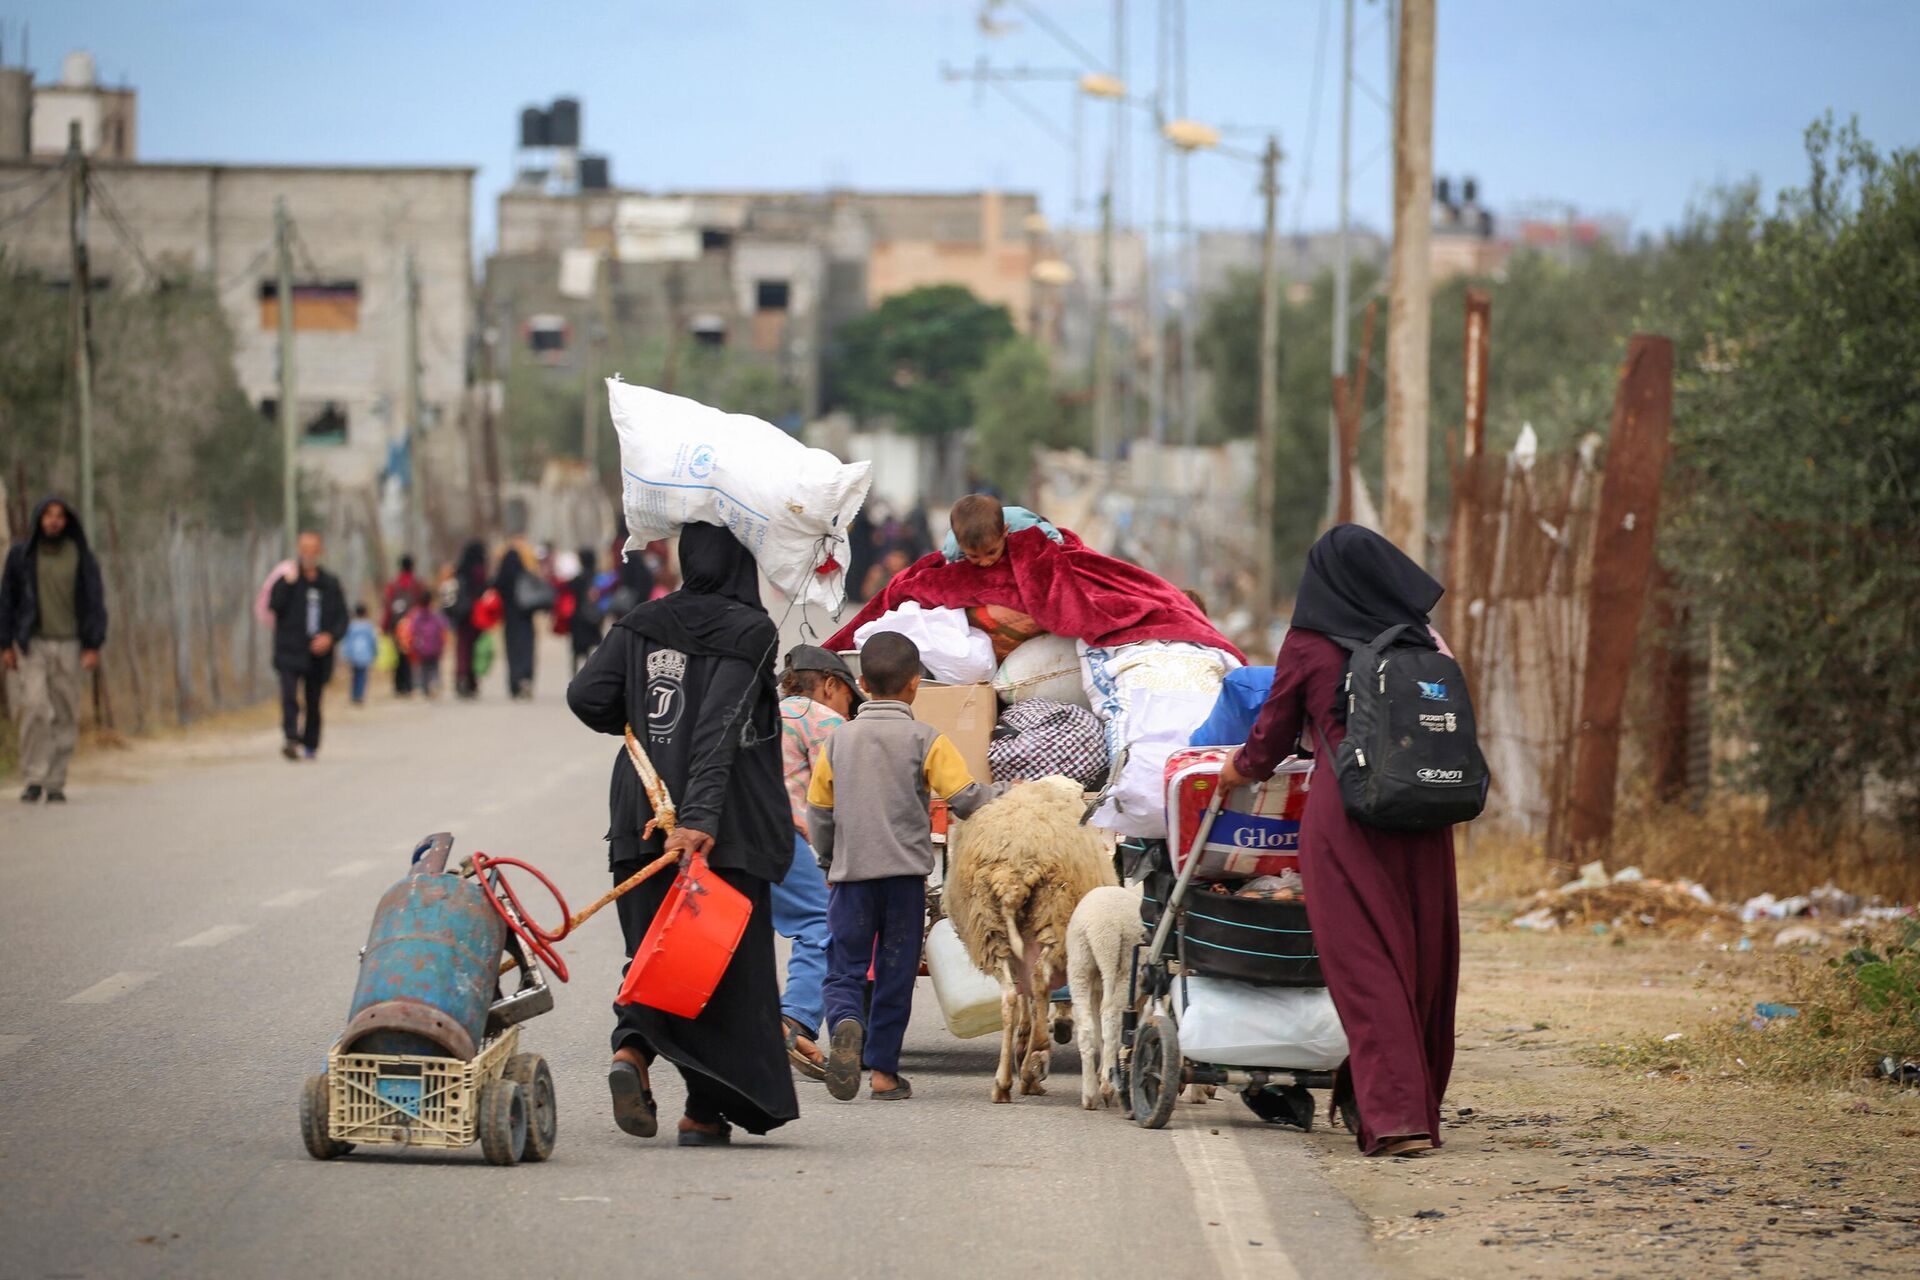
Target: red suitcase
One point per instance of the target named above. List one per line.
(1258, 830)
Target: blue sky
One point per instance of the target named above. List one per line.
(1630, 108)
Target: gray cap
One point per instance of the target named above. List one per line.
(812, 657)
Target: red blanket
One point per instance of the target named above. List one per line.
(1067, 588)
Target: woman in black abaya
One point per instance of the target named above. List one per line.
(693, 674)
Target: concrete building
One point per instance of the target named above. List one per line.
(771, 274)
(107, 117)
(354, 229)
(1220, 255)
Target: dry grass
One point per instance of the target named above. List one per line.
(1730, 848)
(1852, 1011)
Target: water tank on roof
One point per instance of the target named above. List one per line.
(533, 127)
(593, 173)
(563, 123)
(76, 70)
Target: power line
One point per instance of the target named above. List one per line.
(37, 175)
(1313, 118)
(120, 227)
(26, 211)
(259, 259)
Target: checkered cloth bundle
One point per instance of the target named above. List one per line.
(1041, 739)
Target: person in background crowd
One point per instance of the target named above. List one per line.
(360, 648)
(693, 675)
(394, 605)
(916, 535)
(862, 553)
(818, 694)
(427, 630)
(1385, 904)
(470, 583)
(589, 621)
(633, 583)
(53, 621)
(310, 616)
(891, 566)
(522, 590)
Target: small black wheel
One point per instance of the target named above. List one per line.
(1282, 1104)
(1156, 1071)
(529, 1071)
(314, 1096)
(1345, 1109)
(502, 1121)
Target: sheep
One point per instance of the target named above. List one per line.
(1101, 936)
(1016, 871)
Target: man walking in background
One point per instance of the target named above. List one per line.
(310, 616)
(53, 620)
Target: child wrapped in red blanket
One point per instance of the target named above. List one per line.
(1065, 587)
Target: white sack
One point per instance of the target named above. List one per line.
(1238, 1024)
(684, 462)
(952, 649)
(1152, 696)
(1045, 667)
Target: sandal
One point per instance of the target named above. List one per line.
(899, 1093)
(792, 1031)
(843, 1064)
(633, 1108)
(1406, 1148)
(701, 1138)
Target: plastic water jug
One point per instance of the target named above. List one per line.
(969, 999)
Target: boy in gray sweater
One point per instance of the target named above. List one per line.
(868, 817)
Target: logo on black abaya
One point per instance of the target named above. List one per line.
(666, 691)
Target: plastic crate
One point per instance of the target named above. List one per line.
(400, 1100)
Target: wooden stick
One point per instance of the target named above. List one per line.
(658, 864)
(663, 811)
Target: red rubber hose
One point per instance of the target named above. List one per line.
(539, 941)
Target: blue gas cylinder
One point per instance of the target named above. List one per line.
(432, 963)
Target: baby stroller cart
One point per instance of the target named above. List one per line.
(1228, 991)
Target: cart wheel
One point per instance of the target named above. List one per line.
(529, 1071)
(503, 1121)
(1156, 1072)
(313, 1121)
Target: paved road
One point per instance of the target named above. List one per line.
(180, 949)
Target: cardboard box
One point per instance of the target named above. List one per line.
(966, 713)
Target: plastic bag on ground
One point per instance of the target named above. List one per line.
(954, 651)
(1239, 1024)
(683, 462)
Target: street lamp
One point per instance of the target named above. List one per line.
(1190, 135)
(1097, 84)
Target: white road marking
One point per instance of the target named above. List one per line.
(12, 1043)
(1226, 1191)
(111, 987)
(292, 898)
(215, 936)
(359, 866)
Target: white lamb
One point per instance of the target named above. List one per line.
(1101, 936)
(1019, 867)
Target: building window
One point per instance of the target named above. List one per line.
(772, 295)
(715, 239)
(547, 337)
(710, 331)
(321, 422)
(330, 306)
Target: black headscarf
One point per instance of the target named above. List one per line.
(472, 570)
(1357, 584)
(717, 609)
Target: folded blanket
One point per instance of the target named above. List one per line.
(1067, 588)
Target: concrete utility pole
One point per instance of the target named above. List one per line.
(589, 415)
(1103, 332)
(1343, 267)
(289, 428)
(416, 526)
(1269, 379)
(1409, 300)
(80, 309)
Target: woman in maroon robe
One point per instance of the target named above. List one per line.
(1383, 903)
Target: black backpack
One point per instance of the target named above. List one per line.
(1411, 760)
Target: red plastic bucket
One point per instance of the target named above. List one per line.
(689, 944)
